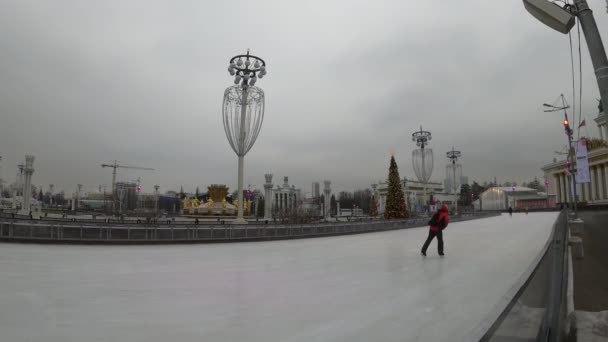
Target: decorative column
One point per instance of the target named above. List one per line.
(606, 180)
(327, 193)
(593, 184)
(566, 189)
(583, 192)
(558, 188)
(268, 195)
(560, 185)
(600, 182)
(78, 196)
(51, 186)
(562, 188)
(276, 201)
(27, 184)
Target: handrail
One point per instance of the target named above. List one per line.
(42, 231)
(550, 273)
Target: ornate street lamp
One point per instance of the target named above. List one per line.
(243, 112)
(456, 171)
(422, 158)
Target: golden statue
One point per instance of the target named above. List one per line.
(209, 203)
(195, 203)
(246, 206)
(235, 203)
(224, 203)
(186, 203)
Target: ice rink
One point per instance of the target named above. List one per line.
(366, 287)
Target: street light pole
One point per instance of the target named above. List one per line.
(562, 20)
(157, 195)
(243, 113)
(453, 156)
(571, 157)
(595, 46)
(570, 162)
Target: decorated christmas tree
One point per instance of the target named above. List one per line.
(373, 207)
(395, 201)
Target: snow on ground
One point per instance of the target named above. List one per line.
(592, 326)
(367, 287)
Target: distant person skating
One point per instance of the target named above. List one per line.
(437, 224)
(510, 211)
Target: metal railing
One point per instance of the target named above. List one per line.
(87, 232)
(537, 311)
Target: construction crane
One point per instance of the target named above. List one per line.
(116, 166)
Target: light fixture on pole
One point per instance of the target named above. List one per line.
(422, 158)
(243, 112)
(562, 19)
(156, 197)
(570, 158)
(453, 168)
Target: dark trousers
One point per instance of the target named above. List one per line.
(439, 235)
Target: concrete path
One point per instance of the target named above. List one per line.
(368, 287)
(591, 272)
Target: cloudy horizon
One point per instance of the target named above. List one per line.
(142, 82)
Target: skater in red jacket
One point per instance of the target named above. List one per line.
(437, 224)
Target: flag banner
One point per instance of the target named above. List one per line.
(582, 163)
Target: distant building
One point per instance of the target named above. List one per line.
(126, 195)
(286, 197)
(516, 197)
(593, 193)
(316, 190)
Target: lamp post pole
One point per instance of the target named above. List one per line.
(571, 157)
(422, 138)
(453, 156)
(156, 195)
(243, 113)
(570, 162)
(595, 46)
(557, 18)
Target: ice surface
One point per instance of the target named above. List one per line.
(367, 287)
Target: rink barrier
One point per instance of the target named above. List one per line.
(536, 308)
(17, 230)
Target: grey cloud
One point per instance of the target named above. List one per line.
(142, 82)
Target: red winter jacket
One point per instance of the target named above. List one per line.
(443, 215)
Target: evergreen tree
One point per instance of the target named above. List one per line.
(40, 195)
(395, 200)
(197, 194)
(536, 185)
(373, 207)
(182, 195)
(477, 189)
(465, 194)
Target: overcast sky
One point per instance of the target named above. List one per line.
(86, 82)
